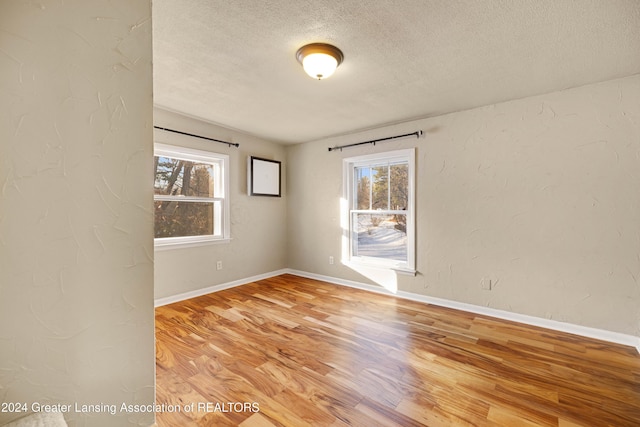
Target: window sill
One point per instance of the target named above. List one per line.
(401, 270)
(164, 246)
(404, 271)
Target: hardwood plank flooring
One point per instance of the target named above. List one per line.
(291, 351)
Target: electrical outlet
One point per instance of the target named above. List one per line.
(485, 284)
(219, 265)
(331, 260)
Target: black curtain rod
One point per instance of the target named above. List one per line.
(340, 147)
(198, 136)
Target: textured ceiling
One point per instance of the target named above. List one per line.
(233, 62)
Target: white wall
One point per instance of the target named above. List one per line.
(76, 218)
(258, 224)
(539, 194)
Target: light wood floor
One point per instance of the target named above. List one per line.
(290, 351)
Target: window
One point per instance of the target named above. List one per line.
(380, 199)
(190, 196)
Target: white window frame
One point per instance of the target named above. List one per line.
(222, 229)
(349, 208)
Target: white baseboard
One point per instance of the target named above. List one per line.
(585, 331)
(199, 292)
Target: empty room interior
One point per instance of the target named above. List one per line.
(199, 228)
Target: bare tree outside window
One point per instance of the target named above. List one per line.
(183, 214)
(190, 202)
(379, 217)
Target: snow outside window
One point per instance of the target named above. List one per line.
(380, 199)
(190, 203)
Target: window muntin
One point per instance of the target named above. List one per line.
(380, 200)
(190, 203)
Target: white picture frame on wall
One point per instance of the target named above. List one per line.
(264, 177)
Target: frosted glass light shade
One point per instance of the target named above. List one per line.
(319, 60)
(319, 65)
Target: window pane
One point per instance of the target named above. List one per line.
(183, 178)
(380, 177)
(380, 236)
(399, 186)
(363, 188)
(180, 218)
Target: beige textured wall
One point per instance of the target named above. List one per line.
(258, 224)
(76, 218)
(538, 194)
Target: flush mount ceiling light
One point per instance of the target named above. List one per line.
(319, 60)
